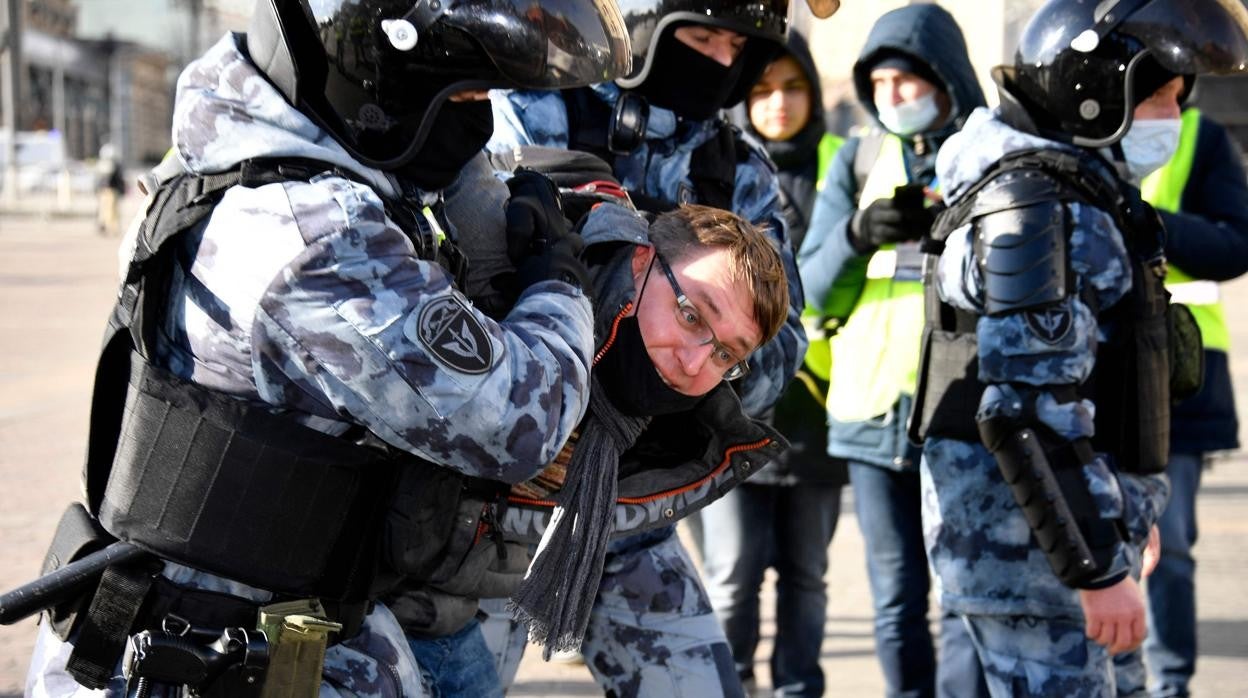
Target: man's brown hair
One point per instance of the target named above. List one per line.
(752, 256)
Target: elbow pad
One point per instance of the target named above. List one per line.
(1047, 482)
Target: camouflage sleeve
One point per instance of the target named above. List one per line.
(1054, 346)
(772, 366)
(526, 117)
(363, 326)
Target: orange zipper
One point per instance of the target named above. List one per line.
(615, 326)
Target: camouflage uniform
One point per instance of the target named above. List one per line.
(306, 297)
(653, 631)
(1030, 636)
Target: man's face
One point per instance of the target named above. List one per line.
(683, 358)
(720, 45)
(891, 87)
(780, 101)
(1163, 104)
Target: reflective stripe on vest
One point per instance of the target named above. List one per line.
(876, 353)
(819, 354)
(1164, 190)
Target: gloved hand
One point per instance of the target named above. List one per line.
(902, 218)
(539, 241)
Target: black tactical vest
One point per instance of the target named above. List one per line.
(1131, 382)
(234, 488)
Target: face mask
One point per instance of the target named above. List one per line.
(1149, 145)
(630, 378)
(687, 83)
(909, 118)
(460, 130)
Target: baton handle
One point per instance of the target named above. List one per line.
(64, 583)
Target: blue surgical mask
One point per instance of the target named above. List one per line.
(909, 118)
(1149, 145)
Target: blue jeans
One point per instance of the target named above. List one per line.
(457, 665)
(890, 517)
(1170, 649)
(752, 528)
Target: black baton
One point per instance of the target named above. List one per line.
(63, 584)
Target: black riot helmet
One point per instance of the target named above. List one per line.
(765, 23)
(374, 73)
(1083, 66)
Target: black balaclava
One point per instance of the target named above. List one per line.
(686, 82)
(459, 131)
(631, 379)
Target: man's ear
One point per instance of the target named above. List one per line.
(641, 260)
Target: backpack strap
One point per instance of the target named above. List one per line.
(870, 144)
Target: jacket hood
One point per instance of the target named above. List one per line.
(808, 137)
(929, 34)
(227, 112)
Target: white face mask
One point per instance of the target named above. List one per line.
(909, 118)
(1149, 145)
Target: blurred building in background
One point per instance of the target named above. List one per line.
(84, 92)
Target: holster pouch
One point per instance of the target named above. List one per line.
(491, 570)
(298, 633)
(77, 534)
(1187, 353)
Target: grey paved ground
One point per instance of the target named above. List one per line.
(56, 280)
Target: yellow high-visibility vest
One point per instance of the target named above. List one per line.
(875, 354)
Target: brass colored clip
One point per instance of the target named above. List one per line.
(298, 633)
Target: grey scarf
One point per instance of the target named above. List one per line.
(557, 594)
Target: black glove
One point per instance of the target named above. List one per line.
(902, 218)
(1142, 224)
(540, 242)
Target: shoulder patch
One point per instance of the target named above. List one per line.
(449, 330)
(1051, 325)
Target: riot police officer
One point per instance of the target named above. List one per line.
(1045, 382)
(290, 352)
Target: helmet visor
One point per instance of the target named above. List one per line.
(553, 44)
(1193, 37)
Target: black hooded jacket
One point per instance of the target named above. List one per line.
(797, 158)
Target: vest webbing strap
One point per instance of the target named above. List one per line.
(102, 639)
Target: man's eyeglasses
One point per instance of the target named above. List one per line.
(690, 320)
